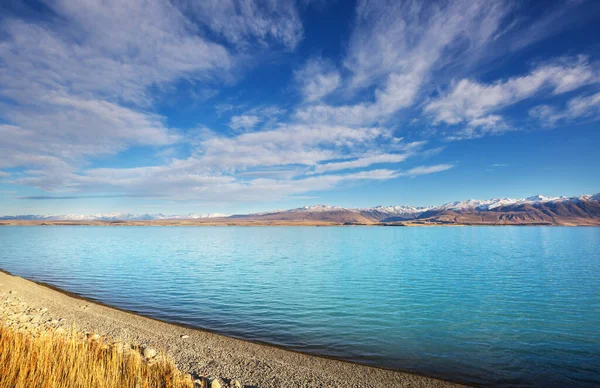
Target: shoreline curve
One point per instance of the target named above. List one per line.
(201, 351)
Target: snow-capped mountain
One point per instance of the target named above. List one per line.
(478, 204)
(395, 213)
(494, 203)
(474, 204)
(538, 210)
(320, 208)
(395, 210)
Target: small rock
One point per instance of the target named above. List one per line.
(13, 292)
(149, 352)
(24, 318)
(183, 336)
(218, 383)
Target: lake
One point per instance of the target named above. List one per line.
(485, 305)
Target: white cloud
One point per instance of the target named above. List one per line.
(472, 102)
(317, 79)
(361, 162)
(268, 116)
(584, 106)
(214, 156)
(108, 49)
(286, 145)
(396, 45)
(82, 83)
(244, 122)
(242, 22)
(479, 127)
(577, 108)
(167, 181)
(76, 86)
(399, 92)
(237, 168)
(273, 189)
(424, 170)
(62, 130)
(403, 37)
(268, 172)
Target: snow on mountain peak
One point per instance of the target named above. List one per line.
(540, 198)
(320, 208)
(478, 204)
(399, 209)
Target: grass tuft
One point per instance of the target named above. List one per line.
(52, 359)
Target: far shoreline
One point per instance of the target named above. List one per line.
(246, 223)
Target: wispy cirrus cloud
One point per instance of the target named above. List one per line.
(361, 162)
(475, 104)
(209, 188)
(244, 22)
(82, 83)
(583, 107)
(317, 79)
(396, 46)
(424, 170)
(244, 122)
(78, 85)
(283, 159)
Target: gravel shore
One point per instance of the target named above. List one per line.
(25, 304)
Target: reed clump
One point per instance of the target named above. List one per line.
(55, 359)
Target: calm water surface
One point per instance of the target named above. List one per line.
(488, 305)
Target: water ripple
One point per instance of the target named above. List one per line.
(494, 306)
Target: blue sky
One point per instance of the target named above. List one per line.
(238, 106)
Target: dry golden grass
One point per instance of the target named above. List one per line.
(57, 360)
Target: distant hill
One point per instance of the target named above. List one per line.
(537, 210)
(110, 217)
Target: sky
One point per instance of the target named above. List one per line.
(238, 106)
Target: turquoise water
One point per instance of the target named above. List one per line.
(486, 305)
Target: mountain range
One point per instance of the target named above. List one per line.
(536, 210)
(111, 217)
